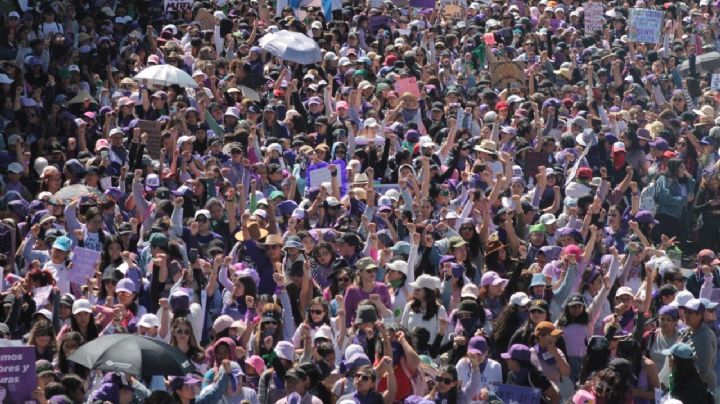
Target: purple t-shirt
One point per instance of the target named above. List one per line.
(354, 294)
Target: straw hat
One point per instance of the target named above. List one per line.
(256, 232)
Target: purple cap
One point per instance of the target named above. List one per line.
(447, 258)
(457, 270)
(477, 345)
(668, 310)
(518, 352)
(645, 217)
(660, 144)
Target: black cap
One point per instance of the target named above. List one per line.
(575, 299)
(539, 304)
(296, 373)
(668, 290)
(162, 193)
(469, 306)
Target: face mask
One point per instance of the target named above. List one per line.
(268, 332)
(467, 324)
(396, 283)
(523, 316)
(252, 381)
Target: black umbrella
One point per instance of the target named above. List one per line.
(132, 354)
(705, 63)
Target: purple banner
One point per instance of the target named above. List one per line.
(422, 3)
(17, 374)
(512, 393)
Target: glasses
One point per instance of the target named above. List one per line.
(274, 247)
(466, 228)
(344, 279)
(234, 152)
(182, 331)
(371, 270)
(446, 380)
(202, 220)
(323, 253)
(317, 312)
(365, 378)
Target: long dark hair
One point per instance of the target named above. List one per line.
(63, 363)
(595, 360)
(106, 260)
(611, 386)
(92, 328)
(508, 321)
(452, 395)
(673, 168)
(431, 305)
(566, 319)
(321, 301)
(687, 380)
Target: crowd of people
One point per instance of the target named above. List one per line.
(444, 208)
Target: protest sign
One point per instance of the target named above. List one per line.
(250, 93)
(422, 3)
(507, 73)
(489, 38)
(41, 295)
(510, 393)
(645, 25)
(83, 265)
(715, 82)
(318, 176)
(593, 17)
(407, 85)
(17, 374)
(177, 5)
(533, 160)
(377, 22)
(7, 242)
(715, 298)
(154, 142)
(451, 11)
(205, 19)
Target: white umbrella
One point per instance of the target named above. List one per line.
(292, 46)
(165, 75)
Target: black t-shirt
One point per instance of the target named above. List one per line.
(533, 379)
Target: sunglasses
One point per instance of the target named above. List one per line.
(364, 378)
(344, 279)
(318, 312)
(202, 220)
(182, 331)
(371, 270)
(445, 380)
(466, 228)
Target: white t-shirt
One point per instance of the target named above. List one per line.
(491, 374)
(412, 320)
(59, 272)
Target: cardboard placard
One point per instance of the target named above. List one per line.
(320, 175)
(452, 11)
(507, 73)
(645, 25)
(407, 85)
(205, 19)
(17, 374)
(83, 265)
(510, 393)
(377, 22)
(154, 142)
(593, 17)
(172, 6)
(715, 82)
(533, 160)
(422, 3)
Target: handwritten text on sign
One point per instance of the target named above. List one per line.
(177, 5)
(645, 25)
